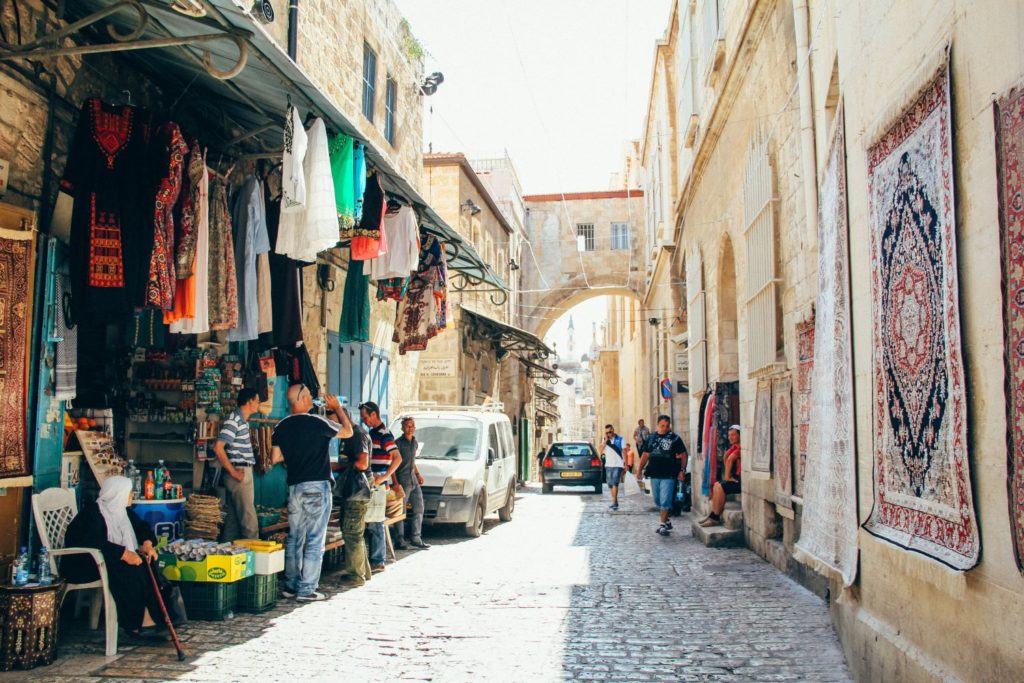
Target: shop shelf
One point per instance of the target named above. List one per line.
(257, 593)
(209, 601)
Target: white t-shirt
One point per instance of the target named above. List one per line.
(611, 456)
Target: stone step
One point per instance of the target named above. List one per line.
(718, 536)
(732, 516)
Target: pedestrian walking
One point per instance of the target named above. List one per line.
(302, 442)
(410, 479)
(614, 462)
(663, 461)
(640, 436)
(353, 494)
(234, 452)
(384, 461)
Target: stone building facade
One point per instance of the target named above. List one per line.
(749, 94)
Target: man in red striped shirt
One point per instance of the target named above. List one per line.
(384, 460)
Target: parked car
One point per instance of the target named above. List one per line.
(468, 462)
(572, 463)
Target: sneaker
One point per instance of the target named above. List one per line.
(287, 593)
(401, 546)
(613, 506)
(312, 597)
(668, 525)
(352, 582)
(663, 530)
(377, 568)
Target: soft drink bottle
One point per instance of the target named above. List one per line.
(159, 483)
(150, 486)
(168, 489)
(45, 577)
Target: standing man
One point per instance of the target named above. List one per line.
(384, 461)
(663, 461)
(353, 492)
(234, 452)
(302, 442)
(614, 463)
(410, 479)
(640, 436)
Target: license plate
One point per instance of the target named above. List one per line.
(571, 475)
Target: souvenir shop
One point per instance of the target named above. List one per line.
(186, 237)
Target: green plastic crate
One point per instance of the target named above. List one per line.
(209, 601)
(257, 593)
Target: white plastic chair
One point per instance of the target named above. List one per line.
(53, 510)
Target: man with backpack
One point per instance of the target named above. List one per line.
(614, 462)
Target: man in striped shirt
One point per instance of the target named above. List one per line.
(384, 461)
(234, 452)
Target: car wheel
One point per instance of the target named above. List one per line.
(598, 489)
(476, 527)
(547, 488)
(505, 513)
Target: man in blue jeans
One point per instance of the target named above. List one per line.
(663, 462)
(302, 442)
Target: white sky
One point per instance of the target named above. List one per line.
(560, 84)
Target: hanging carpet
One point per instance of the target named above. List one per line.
(761, 444)
(804, 375)
(16, 273)
(782, 439)
(922, 486)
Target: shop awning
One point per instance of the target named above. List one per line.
(252, 100)
(536, 370)
(507, 337)
(545, 394)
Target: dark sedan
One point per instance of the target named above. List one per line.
(572, 463)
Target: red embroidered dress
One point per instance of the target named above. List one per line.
(160, 287)
(111, 228)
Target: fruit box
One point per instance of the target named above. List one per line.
(214, 569)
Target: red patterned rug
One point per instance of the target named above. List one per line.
(1010, 165)
(922, 491)
(16, 257)
(804, 374)
(761, 443)
(782, 438)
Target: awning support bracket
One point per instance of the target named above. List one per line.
(49, 45)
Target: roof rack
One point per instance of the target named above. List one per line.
(434, 406)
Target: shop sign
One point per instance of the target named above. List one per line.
(437, 367)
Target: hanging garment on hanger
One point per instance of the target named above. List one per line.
(171, 148)
(66, 355)
(223, 285)
(285, 287)
(249, 227)
(418, 316)
(199, 283)
(366, 244)
(185, 240)
(402, 233)
(341, 150)
(303, 234)
(107, 174)
(293, 177)
(359, 177)
(264, 298)
(355, 306)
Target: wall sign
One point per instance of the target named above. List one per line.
(437, 367)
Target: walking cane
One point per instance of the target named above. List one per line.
(163, 609)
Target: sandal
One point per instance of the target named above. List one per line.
(707, 521)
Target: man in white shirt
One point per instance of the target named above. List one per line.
(614, 462)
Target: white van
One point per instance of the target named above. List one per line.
(468, 462)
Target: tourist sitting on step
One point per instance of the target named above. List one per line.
(730, 483)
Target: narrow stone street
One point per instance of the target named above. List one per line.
(566, 591)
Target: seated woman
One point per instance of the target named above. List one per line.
(110, 527)
(730, 483)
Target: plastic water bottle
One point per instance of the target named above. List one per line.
(45, 577)
(135, 475)
(21, 568)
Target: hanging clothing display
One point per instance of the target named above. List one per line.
(111, 223)
(401, 232)
(185, 240)
(355, 306)
(145, 329)
(293, 179)
(393, 288)
(223, 285)
(171, 147)
(285, 287)
(198, 284)
(249, 227)
(366, 240)
(305, 233)
(423, 310)
(66, 356)
(341, 151)
(358, 177)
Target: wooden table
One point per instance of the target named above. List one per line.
(29, 619)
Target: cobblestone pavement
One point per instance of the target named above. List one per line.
(566, 591)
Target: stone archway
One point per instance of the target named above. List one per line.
(541, 313)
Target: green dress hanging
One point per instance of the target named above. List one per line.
(355, 307)
(342, 163)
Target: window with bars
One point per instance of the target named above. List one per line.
(585, 237)
(369, 81)
(390, 103)
(620, 236)
(759, 222)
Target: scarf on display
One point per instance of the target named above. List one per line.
(113, 502)
(355, 307)
(342, 166)
(66, 365)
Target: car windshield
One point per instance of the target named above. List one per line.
(561, 450)
(448, 439)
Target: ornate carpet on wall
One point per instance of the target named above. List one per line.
(922, 485)
(1010, 165)
(16, 257)
(804, 375)
(828, 536)
(761, 443)
(782, 439)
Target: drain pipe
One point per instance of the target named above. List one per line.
(807, 151)
(293, 29)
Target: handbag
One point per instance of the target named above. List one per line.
(376, 510)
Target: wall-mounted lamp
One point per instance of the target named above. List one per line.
(512, 265)
(431, 82)
(470, 205)
(263, 11)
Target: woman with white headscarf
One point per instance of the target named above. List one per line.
(126, 543)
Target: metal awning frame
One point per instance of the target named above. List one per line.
(507, 337)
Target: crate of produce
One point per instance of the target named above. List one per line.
(209, 601)
(212, 569)
(257, 593)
